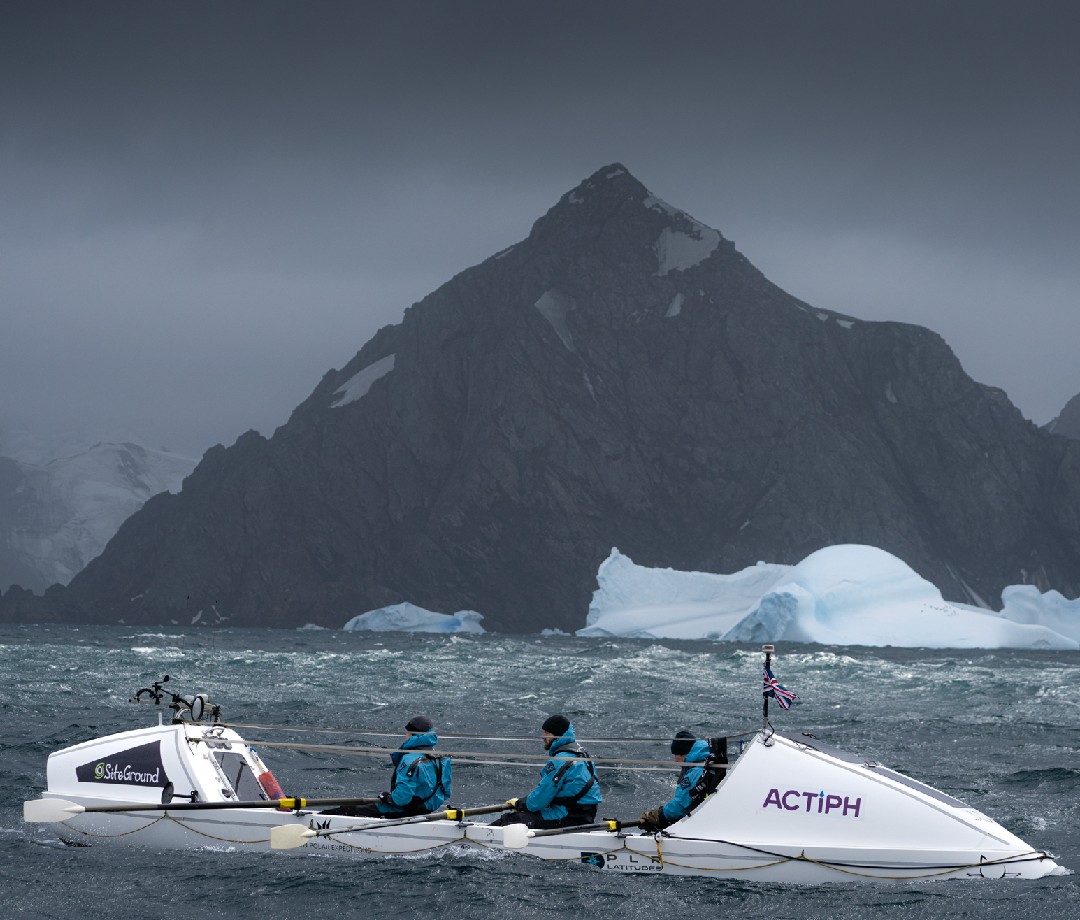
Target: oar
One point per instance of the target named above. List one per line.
(288, 836)
(515, 840)
(48, 811)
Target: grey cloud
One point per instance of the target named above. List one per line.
(207, 205)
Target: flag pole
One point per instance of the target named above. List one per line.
(768, 650)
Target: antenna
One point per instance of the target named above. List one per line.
(197, 707)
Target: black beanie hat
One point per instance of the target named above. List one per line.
(556, 725)
(419, 724)
(682, 742)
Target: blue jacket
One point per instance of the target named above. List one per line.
(680, 804)
(564, 775)
(416, 779)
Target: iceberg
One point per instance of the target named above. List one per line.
(642, 603)
(410, 618)
(839, 595)
(1026, 604)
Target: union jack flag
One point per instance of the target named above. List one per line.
(771, 687)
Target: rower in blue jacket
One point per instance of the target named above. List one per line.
(421, 780)
(568, 791)
(689, 791)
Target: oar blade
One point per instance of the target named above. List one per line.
(50, 811)
(515, 836)
(290, 836)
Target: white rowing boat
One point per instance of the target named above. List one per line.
(790, 810)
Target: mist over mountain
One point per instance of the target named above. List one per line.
(622, 377)
(1067, 423)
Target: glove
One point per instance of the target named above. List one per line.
(386, 798)
(519, 804)
(652, 820)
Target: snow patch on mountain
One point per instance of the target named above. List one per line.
(554, 307)
(357, 386)
(677, 250)
(684, 244)
(658, 204)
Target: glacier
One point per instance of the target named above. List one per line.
(63, 498)
(410, 618)
(839, 595)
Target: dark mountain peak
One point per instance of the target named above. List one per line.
(613, 188)
(592, 203)
(613, 182)
(614, 215)
(612, 172)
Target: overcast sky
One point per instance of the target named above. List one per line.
(204, 206)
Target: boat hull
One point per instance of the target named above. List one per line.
(789, 811)
(632, 853)
(248, 830)
(659, 854)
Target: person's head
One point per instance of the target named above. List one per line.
(681, 744)
(418, 725)
(554, 727)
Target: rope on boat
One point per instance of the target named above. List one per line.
(266, 840)
(164, 817)
(780, 858)
(846, 868)
(469, 757)
(666, 739)
(111, 836)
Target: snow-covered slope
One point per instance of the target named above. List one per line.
(840, 595)
(60, 503)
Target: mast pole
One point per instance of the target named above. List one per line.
(768, 650)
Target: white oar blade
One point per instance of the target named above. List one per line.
(49, 811)
(515, 836)
(290, 836)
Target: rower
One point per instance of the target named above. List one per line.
(568, 791)
(420, 782)
(691, 787)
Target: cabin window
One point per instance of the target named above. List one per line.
(239, 774)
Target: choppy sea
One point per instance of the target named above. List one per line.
(998, 729)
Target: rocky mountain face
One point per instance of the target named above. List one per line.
(622, 377)
(59, 509)
(1067, 424)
